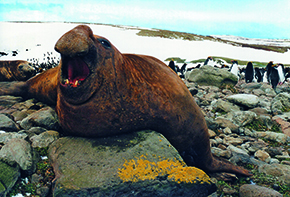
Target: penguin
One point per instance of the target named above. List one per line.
(198, 66)
(208, 61)
(249, 73)
(172, 65)
(269, 69)
(259, 74)
(182, 70)
(234, 68)
(287, 73)
(264, 71)
(281, 72)
(274, 76)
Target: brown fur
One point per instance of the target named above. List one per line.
(125, 93)
(16, 70)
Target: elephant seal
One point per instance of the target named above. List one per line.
(16, 70)
(99, 91)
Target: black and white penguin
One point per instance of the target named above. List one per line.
(209, 61)
(249, 73)
(172, 65)
(259, 74)
(281, 72)
(234, 68)
(269, 69)
(274, 76)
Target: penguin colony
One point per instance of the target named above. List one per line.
(274, 74)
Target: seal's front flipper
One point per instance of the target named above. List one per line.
(14, 88)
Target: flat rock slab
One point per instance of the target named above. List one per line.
(137, 164)
(248, 100)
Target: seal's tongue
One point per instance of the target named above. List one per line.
(77, 71)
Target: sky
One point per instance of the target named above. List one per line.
(246, 18)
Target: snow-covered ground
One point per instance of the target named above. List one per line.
(268, 42)
(32, 40)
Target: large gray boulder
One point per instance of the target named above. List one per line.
(19, 151)
(211, 76)
(137, 164)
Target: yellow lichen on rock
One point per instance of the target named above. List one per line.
(142, 169)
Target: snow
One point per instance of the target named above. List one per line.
(32, 40)
(270, 42)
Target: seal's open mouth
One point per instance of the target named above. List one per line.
(74, 72)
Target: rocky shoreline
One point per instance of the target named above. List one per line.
(249, 126)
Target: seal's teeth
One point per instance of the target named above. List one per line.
(75, 84)
(66, 82)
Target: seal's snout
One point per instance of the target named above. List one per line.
(76, 42)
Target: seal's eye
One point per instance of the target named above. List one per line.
(105, 43)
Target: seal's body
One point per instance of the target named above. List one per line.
(16, 70)
(99, 91)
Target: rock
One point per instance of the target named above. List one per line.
(285, 126)
(211, 76)
(251, 86)
(285, 116)
(250, 190)
(44, 139)
(260, 111)
(232, 140)
(278, 170)
(224, 106)
(221, 153)
(5, 137)
(267, 88)
(42, 191)
(257, 145)
(229, 191)
(262, 155)
(241, 118)
(45, 117)
(241, 158)
(273, 151)
(227, 130)
(266, 120)
(7, 124)
(246, 131)
(19, 151)
(237, 150)
(247, 100)
(285, 162)
(273, 160)
(28, 104)
(36, 130)
(8, 177)
(8, 101)
(278, 137)
(211, 133)
(280, 103)
(223, 122)
(122, 166)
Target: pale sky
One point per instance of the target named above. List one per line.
(247, 18)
